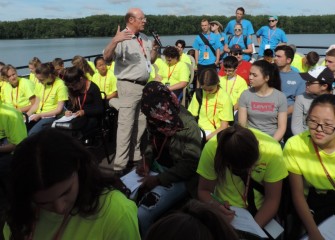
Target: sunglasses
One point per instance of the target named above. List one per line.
(237, 53)
(237, 30)
(271, 20)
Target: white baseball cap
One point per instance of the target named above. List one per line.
(330, 48)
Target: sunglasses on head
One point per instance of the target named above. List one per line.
(237, 29)
(236, 53)
(272, 20)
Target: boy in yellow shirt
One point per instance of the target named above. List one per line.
(232, 83)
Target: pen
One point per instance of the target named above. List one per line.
(221, 202)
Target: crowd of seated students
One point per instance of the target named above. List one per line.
(235, 163)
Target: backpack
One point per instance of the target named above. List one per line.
(198, 95)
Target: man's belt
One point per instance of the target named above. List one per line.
(135, 82)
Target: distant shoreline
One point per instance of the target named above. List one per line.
(106, 25)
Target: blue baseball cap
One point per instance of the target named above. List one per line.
(275, 17)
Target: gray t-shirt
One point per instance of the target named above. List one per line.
(132, 62)
(301, 106)
(263, 111)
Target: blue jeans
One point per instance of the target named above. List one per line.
(41, 124)
(157, 201)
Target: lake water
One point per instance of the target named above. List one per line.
(19, 52)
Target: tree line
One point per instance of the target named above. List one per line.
(106, 25)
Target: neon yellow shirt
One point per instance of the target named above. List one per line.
(12, 126)
(117, 219)
(106, 84)
(33, 78)
(2, 89)
(160, 64)
(297, 63)
(234, 87)
(19, 97)
(88, 76)
(152, 74)
(92, 66)
(219, 103)
(301, 159)
(50, 95)
(269, 168)
(323, 63)
(185, 58)
(177, 73)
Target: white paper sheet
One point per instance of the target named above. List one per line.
(244, 221)
(274, 229)
(327, 229)
(63, 119)
(131, 180)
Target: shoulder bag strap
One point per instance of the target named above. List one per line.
(205, 40)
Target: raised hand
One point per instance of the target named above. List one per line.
(121, 36)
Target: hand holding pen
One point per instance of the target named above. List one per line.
(224, 207)
(142, 168)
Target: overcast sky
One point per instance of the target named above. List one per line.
(14, 10)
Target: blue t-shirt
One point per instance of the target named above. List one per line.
(223, 42)
(198, 44)
(246, 26)
(292, 85)
(240, 41)
(270, 36)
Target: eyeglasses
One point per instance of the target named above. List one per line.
(237, 53)
(142, 19)
(237, 30)
(271, 20)
(327, 129)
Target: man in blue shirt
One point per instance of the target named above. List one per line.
(248, 29)
(292, 83)
(207, 48)
(270, 36)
